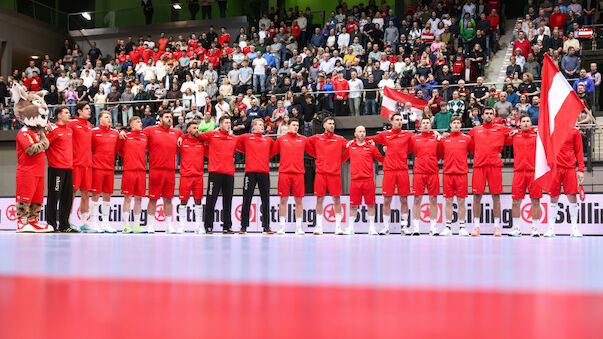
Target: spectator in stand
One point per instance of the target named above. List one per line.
(33, 82)
(99, 102)
(596, 77)
(570, 63)
(148, 119)
(534, 110)
(589, 85)
(356, 87)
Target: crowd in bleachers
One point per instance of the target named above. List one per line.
(286, 65)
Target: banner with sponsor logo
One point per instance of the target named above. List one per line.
(590, 216)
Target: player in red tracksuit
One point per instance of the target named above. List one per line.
(291, 147)
(257, 148)
(328, 149)
(362, 173)
(133, 149)
(395, 170)
(163, 146)
(524, 155)
(565, 173)
(222, 147)
(31, 160)
(488, 142)
(82, 160)
(104, 142)
(454, 150)
(192, 152)
(425, 174)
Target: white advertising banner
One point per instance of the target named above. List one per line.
(590, 216)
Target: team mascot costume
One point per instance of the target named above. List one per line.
(31, 110)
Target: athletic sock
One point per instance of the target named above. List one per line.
(319, 221)
(182, 214)
(516, 222)
(127, 217)
(351, 223)
(105, 211)
(136, 219)
(573, 211)
(372, 221)
(475, 222)
(168, 220)
(84, 218)
(298, 223)
(415, 223)
(338, 220)
(386, 221)
(281, 221)
(404, 220)
(93, 212)
(432, 223)
(554, 208)
(535, 224)
(151, 219)
(462, 223)
(449, 224)
(198, 214)
(496, 222)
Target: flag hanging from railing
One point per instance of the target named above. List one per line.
(560, 107)
(394, 101)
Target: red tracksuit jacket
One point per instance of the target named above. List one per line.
(60, 152)
(361, 160)
(133, 150)
(425, 148)
(328, 149)
(257, 149)
(572, 151)
(454, 150)
(192, 152)
(222, 146)
(397, 143)
(82, 142)
(488, 142)
(291, 146)
(163, 146)
(524, 150)
(104, 143)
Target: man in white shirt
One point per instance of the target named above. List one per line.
(354, 97)
(88, 77)
(259, 73)
(343, 40)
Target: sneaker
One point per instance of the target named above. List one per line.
(406, 231)
(349, 231)
(463, 232)
(373, 231)
(497, 232)
(171, 229)
(318, 231)
(70, 229)
(515, 232)
(549, 233)
(209, 231)
(150, 228)
(127, 229)
(384, 231)
(446, 232)
(227, 231)
(180, 230)
(243, 230)
(200, 230)
(575, 233)
(415, 231)
(138, 229)
(338, 231)
(299, 231)
(267, 231)
(475, 232)
(87, 229)
(107, 228)
(281, 231)
(32, 226)
(534, 233)
(433, 232)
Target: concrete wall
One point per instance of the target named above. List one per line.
(105, 37)
(25, 37)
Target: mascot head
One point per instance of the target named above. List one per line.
(30, 108)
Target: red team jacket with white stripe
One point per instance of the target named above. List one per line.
(257, 151)
(397, 142)
(60, 152)
(191, 152)
(488, 141)
(425, 148)
(572, 151)
(361, 160)
(454, 149)
(222, 147)
(291, 146)
(524, 150)
(163, 145)
(328, 149)
(104, 143)
(82, 142)
(133, 150)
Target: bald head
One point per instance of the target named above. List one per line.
(360, 134)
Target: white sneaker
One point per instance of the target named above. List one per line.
(338, 231)
(373, 231)
(349, 231)
(299, 231)
(200, 230)
(415, 230)
(406, 230)
(463, 232)
(433, 231)
(515, 232)
(575, 233)
(150, 228)
(281, 231)
(171, 229)
(180, 229)
(446, 232)
(318, 231)
(384, 231)
(534, 233)
(107, 228)
(549, 233)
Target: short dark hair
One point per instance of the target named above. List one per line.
(224, 117)
(395, 114)
(488, 109)
(192, 122)
(293, 120)
(61, 108)
(524, 116)
(327, 119)
(455, 118)
(165, 112)
(80, 106)
(426, 118)
(133, 119)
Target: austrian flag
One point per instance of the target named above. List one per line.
(559, 110)
(394, 101)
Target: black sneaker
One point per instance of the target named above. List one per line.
(227, 231)
(243, 230)
(267, 231)
(209, 231)
(70, 230)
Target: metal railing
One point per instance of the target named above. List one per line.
(595, 42)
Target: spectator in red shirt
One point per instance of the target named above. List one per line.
(340, 84)
(33, 83)
(522, 44)
(557, 19)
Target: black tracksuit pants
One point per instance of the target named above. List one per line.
(262, 180)
(60, 190)
(219, 182)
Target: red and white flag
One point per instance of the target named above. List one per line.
(394, 101)
(559, 110)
